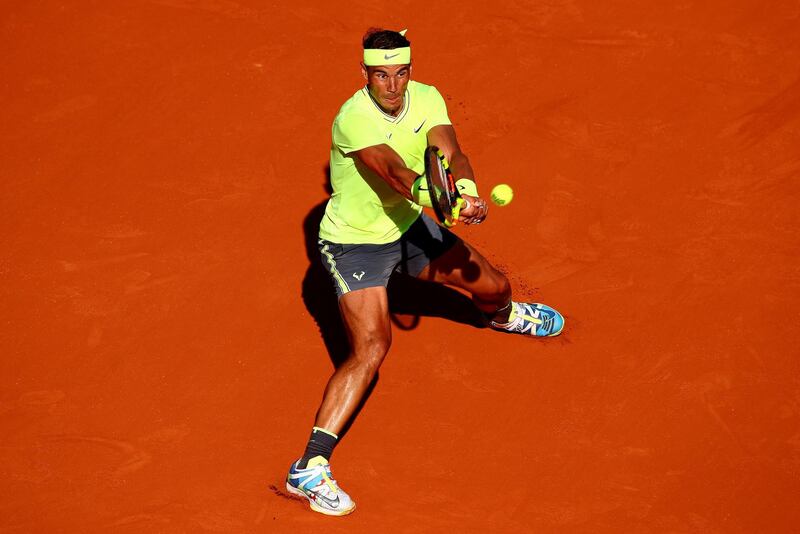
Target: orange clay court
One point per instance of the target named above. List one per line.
(166, 335)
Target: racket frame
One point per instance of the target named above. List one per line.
(448, 218)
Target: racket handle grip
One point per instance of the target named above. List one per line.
(461, 203)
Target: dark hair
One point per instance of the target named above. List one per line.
(378, 38)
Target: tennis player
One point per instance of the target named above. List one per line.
(374, 225)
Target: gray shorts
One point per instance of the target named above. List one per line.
(358, 266)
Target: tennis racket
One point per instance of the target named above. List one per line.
(445, 198)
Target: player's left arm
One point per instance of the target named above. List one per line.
(444, 136)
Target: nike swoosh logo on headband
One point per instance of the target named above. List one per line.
(387, 56)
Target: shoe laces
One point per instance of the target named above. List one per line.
(513, 318)
(324, 470)
(329, 480)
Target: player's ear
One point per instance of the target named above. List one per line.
(364, 72)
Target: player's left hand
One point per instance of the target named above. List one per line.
(476, 212)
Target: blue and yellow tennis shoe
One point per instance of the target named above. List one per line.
(532, 319)
(316, 484)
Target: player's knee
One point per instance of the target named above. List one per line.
(372, 350)
(379, 348)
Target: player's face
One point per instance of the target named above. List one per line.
(387, 85)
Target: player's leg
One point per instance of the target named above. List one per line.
(461, 265)
(360, 274)
(464, 267)
(365, 314)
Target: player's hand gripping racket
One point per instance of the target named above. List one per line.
(445, 198)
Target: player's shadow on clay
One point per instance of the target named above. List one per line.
(410, 299)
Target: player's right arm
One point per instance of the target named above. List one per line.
(386, 163)
(355, 134)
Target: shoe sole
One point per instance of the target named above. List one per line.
(294, 491)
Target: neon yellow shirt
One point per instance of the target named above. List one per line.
(363, 207)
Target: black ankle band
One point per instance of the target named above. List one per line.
(320, 443)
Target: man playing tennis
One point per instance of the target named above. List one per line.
(374, 225)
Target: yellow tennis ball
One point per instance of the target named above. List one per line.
(502, 194)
